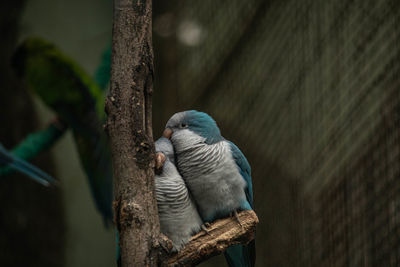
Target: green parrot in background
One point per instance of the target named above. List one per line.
(78, 102)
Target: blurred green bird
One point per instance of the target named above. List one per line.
(78, 101)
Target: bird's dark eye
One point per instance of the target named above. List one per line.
(183, 125)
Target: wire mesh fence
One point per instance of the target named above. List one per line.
(309, 90)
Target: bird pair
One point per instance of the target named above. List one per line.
(204, 177)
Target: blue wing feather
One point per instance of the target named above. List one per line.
(245, 170)
(242, 255)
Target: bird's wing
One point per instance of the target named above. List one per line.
(245, 170)
(242, 255)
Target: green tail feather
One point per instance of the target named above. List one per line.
(35, 143)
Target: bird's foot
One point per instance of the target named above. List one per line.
(159, 162)
(205, 227)
(237, 218)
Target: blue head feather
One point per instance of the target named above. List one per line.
(202, 124)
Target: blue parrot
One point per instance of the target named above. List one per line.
(8, 159)
(216, 172)
(179, 218)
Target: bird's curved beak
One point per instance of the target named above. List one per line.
(167, 133)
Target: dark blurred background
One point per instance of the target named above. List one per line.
(309, 90)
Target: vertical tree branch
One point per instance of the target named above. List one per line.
(129, 125)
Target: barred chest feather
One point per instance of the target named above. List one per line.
(179, 219)
(211, 175)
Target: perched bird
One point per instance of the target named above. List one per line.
(179, 218)
(36, 174)
(215, 171)
(64, 87)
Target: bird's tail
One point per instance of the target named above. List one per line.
(241, 255)
(7, 159)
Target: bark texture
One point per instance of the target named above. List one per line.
(128, 106)
(221, 234)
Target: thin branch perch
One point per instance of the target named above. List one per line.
(221, 234)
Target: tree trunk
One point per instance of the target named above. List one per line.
(128, 106)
